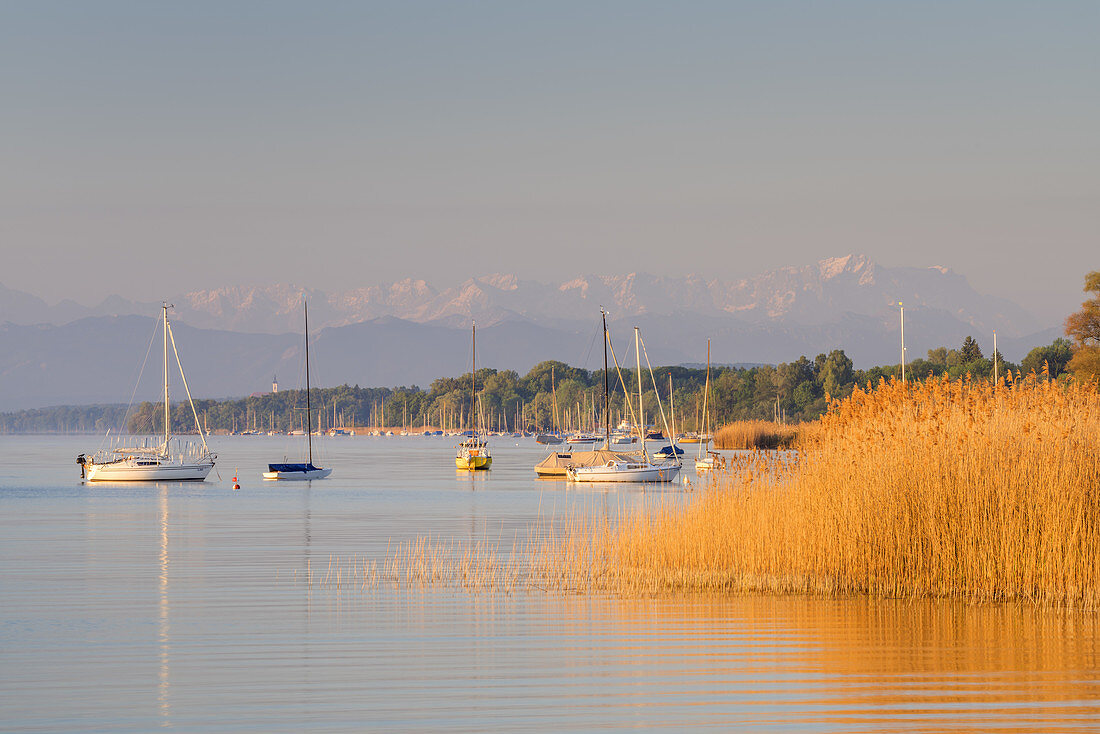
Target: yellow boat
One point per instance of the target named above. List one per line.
(473, 454)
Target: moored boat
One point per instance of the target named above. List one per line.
(626, 471)
(622, 467)
(473, 453)
(706, 460)
(169, 460)
(300, 471)
(296, 472)
(558, 463)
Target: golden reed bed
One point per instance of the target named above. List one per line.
(755, 435)
(946, 489)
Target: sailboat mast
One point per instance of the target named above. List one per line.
(606, 391)
(672, 408)
(554, 392)
(638, 357)
(473, 375)
(309, 427)
(706, 395)
(167, 412)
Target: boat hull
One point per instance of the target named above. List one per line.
(296, 476)
(123, 471)
(472, 463)
(628, 473)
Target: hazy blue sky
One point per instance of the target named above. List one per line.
(154, 147)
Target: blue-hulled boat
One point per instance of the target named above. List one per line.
(305, 470)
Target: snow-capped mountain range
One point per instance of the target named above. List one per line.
(821, 293)
(410, 332)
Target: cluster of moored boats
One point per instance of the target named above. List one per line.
(611, 462)
(587, 457)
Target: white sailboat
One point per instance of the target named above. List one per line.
(706, 459)
(624, 469)
(168, 460)
(299, 471)
(558, 463)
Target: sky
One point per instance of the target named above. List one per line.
(150, 148)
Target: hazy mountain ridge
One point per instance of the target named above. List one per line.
(803, 295)
(97, 360)
(233, 340)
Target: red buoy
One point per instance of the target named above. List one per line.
(235, 485)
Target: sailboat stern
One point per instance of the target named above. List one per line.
(473, 462)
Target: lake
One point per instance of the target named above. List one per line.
(185, 606)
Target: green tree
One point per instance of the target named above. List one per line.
(765, 392)
(836, 376)
(1084, 327)
(970, 350)
(1055, 357)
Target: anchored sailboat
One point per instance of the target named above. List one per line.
(172, 459)
(558, 463)
(625, 467)
(473, 453)
(706, 459)
(300, 471)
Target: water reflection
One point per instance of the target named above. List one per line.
(881, 664)
(164, 626)
(473, 479)
(550, 663)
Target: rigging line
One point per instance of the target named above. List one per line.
(591, 344)
(671, 438)
(187, 389)
(633, 418)
(148, 349)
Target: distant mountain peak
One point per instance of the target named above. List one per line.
(834, 266)
(500, 281)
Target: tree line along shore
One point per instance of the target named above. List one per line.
(551, 395)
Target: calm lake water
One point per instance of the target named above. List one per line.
(182, 606)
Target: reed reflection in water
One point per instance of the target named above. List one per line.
(772, 662)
